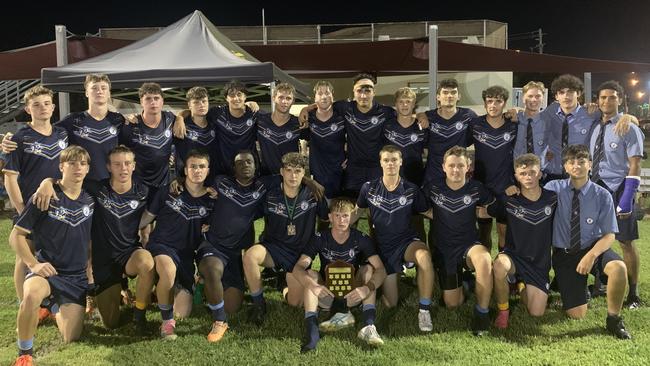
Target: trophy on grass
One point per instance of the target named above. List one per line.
(339, 278)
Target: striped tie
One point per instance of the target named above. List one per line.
(529, 137)
(565, 131)
(599, 152)
(574, 241)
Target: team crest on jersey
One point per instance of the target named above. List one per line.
(414, 137)
(59, 213)
(352, 253)
(402, 200)
(133, 204)
(613, 145)
(256, 195)
(583, 131)
(168, 133)
(62, 144)
(506, 136)
(482, 137)
(249, 122)
(202, 211)
(304, 205)
(540, 142)
(459, 126)
(176, 204)
(288, 135)
(334, 127)
(548, 210)
(374, 120)
(212, 134)
(37, 148)
(519, 212)
(589, 220)
(86, 211)
(112, 130)
(192, 135)
(467, 199)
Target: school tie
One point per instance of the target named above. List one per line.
(529, 137)
(574, 241)
(599, 152)
(565, 131)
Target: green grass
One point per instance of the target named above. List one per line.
(550, 340)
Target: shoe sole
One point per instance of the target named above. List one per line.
(330, 328)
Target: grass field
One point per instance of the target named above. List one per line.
(550, 340)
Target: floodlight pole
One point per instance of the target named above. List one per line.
(433, 65)
(62, 59)
(587, 87)
(272, 90)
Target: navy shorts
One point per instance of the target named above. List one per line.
(282, 256)
(110, 273)
(628, 228)
(184, 264)
(66, 288)
(529, 273)
(450, 266)
(231, 258)
(572, 285)
(393, 257)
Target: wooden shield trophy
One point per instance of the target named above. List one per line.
(339, 278)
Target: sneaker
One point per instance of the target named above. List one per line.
(501, 321)
(633, 302)
(369, 335)
(167, 330)
(43, 315)
(424, 321)
(257, 314)
(337, 322)
(616, 327)
(24, 360)
(217, 332)
(480, 323)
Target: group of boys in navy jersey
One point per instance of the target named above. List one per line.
(367, 151)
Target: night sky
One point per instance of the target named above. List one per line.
(616, 30)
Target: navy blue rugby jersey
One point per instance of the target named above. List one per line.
(97, 137)
(152, 148)
(196, 138)
(326, 145)
(61, 235)
(355, 250)
(411, 140)
(36, 157)
(233, 135)
(494, 153)
(529, 235)
(275, 141)
(391, 211)
(117, 218)
(278, 217)
(365, 131)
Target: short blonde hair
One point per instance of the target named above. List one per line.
(285, 87)
(37, 91)
(341, 204)
(74, 153)
(323, 84)
(533, 85)
(405, 93)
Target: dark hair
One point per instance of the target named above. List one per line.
(294, 159)
(197, 154)
(611, 85)
(447, 84)
(526, 160)
(362, 76)
(567, 81)
(495, 91)
(150, 88)
(575, 152)
(197, 93)
(234, 86)
(390, 149)
(458, 151)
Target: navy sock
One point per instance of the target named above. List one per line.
(139, 314)
(258, 297)
(309, 314)
(311, 324)
(369, 314)
(633, 290)
(166, 311)
(218, 312)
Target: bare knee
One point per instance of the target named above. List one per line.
(616, 269)
(500, 267)
(578, 312)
